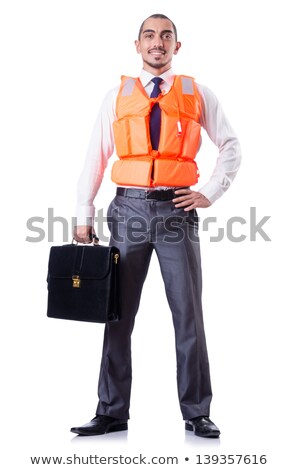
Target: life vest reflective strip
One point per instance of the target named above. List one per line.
(173, 163)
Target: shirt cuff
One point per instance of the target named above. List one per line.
(213, 190)
(84, 215)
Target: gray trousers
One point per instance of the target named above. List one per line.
(137, 227)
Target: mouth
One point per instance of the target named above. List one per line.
(157, 52)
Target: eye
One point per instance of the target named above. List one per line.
(167, 36)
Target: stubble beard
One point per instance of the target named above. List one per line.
(157, 65)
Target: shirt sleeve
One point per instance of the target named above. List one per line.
(218, 128)
(101, 147)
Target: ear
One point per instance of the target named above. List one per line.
(178, 45)
(137, 44)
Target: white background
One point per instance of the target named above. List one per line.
(58, 59)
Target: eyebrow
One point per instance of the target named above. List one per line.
(153, 31)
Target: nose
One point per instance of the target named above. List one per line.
(158, 42)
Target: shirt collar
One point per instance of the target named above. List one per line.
(146, 77)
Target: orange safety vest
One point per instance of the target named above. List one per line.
(173, 163)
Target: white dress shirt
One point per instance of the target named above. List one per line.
(101, 146)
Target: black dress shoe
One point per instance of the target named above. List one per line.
(202, 426)
(101, 424)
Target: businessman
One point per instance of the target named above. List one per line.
(154, 122)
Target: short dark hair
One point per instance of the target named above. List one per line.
(158, 15)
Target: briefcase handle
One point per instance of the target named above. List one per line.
(93, 238)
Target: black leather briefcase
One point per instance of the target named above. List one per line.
(83, 283)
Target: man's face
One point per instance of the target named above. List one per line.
(157, 45)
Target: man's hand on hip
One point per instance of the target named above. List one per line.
(189, 199)
(83, 233)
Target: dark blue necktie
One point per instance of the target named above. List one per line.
(155, 115)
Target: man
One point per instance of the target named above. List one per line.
(155, 121)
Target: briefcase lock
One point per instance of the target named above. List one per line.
(76, 281)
